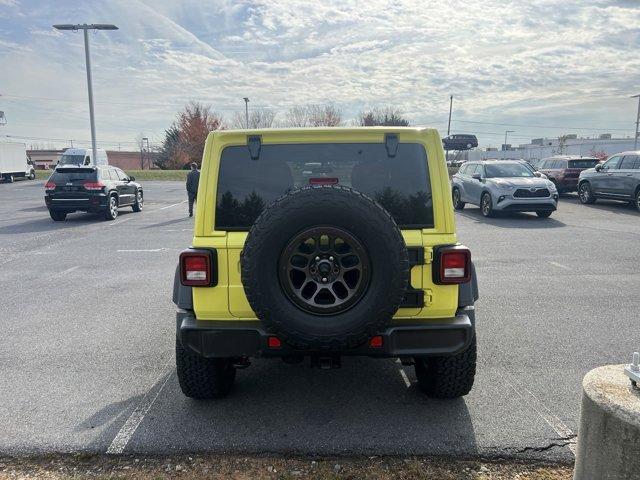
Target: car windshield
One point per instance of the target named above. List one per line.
(400, 184)
(71, 160)
(588, 163)
(505, 170)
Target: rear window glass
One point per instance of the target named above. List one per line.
(64, 175)
(400, 184)
(588, 163)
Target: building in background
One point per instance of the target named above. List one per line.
(538, 148)
(44, 159)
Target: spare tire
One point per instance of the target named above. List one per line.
(325, 267)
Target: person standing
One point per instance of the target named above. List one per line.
(193, 179)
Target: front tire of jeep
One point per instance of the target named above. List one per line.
(203, 378)
(447, 377)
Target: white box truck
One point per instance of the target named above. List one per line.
(14, 162)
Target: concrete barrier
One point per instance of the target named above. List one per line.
(609, 435)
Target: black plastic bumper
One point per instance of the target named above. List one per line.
(224, 338)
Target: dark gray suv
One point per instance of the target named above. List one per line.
(616, 179)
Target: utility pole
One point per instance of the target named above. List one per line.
(145, 139)
(87, 58)
(450, 108)
(246, 111)
(507, 132)
(635, 139)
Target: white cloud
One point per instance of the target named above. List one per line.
(549, 61)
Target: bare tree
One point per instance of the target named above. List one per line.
(385, 116)
(257, 119)
(313, 116)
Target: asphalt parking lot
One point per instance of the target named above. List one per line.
(87, 363)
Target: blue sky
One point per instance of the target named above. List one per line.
(541, 68)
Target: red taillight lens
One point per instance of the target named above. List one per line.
(324, 181)
(49, 186)
(195, 269)
(274, 342)
(93, 185)
(376, 342)
(454, 265)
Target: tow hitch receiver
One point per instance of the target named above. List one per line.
(326, 363)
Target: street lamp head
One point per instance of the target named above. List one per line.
(145, 139)
(66, 26)
(84, 26)
(246, 99)
(103, 26)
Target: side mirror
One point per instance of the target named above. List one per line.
(476, 176)
(598, 167)
(537, 174)
(132, 179)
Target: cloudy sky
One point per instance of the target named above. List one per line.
(541, 68)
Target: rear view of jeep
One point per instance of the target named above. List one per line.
(314, 245)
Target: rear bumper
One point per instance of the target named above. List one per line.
(224, 338)
(85, 203)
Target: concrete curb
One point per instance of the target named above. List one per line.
(609, 435)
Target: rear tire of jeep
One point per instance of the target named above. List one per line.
(358, 309)
(447, 377)
(203, 378)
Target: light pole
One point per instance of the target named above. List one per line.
(450, 107)
(87, 58)
(635, 139)
(145, 139)
(507, 132)
(246, 111)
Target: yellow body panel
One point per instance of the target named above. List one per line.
(228, 301)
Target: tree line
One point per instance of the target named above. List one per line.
(184, 140)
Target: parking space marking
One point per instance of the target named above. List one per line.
(120, 441)
(403, 374)
(547, 415)
(559, 265)
(141, 250)
(68, 270)
(174, 205)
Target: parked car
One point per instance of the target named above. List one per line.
(565, 170)
(100, 190)
(82, 157)
(325, 271)
(460, 141)
(14, 162)
(616, 179)
(505, 186)
(533, 169)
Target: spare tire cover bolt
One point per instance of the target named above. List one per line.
(317, 259)
(331, 258)
(324, 280)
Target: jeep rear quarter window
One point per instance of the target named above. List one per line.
(400, 184)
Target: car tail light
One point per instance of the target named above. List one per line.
(376, 342)
(49, 186)
(93, 185)
(274, 342)
(196, 268)
(324, 181)
(452, 265)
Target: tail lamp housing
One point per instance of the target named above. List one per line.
(198, 268)
(451, 265)
(49, 186)
(93, 186)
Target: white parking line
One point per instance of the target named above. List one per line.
(559, 265)
(174, 205)
(121, 440)
(68, 270)
(141, 250)
(407, 382)
(547, 415)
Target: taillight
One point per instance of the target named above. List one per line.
(452, 265)
(324, 181)
(196, 268)
(93, 185)
(49, 186)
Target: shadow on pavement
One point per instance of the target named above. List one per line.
(512, 219)
(611, 206)
(46, 224)
(362, 408)
(186, 219)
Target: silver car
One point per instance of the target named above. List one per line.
(503, 186)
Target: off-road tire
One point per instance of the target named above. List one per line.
(203, 378)
(585, 194)
(110, 213)
(455, 198)
(447, 377)
(331, 206)
(486, 210)
(57, 216)
(139, 203)
(544, 213)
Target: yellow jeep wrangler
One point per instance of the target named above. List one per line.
(323, 243)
